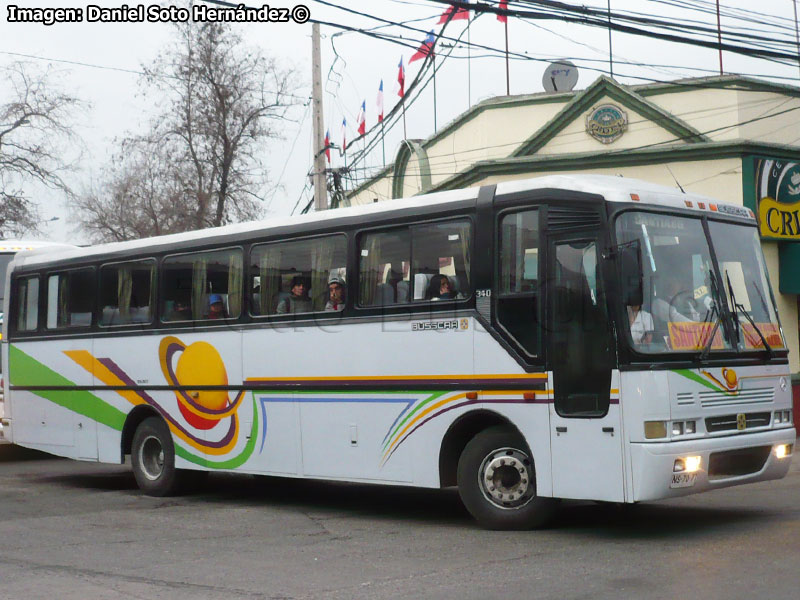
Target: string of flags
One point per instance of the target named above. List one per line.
(426, 48)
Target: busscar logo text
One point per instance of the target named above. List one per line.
(435, 325)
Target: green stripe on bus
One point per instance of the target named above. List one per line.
(428, 400)
(24, 370)
(695, 377)
(232, 463)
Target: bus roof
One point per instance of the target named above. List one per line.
(613, 189)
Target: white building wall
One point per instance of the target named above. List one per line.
(714, 112)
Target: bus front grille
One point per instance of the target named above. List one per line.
(730, 422)
(733, 463)
(753, 396)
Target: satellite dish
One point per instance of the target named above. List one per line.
(560, 76)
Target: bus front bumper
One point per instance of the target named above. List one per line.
(724, 461)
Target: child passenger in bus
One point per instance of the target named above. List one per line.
(216, 307)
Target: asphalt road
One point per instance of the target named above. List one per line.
(72, 530)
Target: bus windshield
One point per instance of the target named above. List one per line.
(744, 279)
(682, 306)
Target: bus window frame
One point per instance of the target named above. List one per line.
(541, 213)
(160, 322)
(420, 306)
(13, 316)
(297, 316)
(153, 293)
(45, 297)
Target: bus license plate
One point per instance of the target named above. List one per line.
(682, 480)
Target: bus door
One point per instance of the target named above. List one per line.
(585, 436)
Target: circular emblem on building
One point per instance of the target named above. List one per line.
(606, 123)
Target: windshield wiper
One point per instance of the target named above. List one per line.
(734, 308)
(740, 307)
(714, 308)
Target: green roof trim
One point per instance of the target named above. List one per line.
(464, 118)
(727, 82)
(701, 151)
(606, 87)
(632, 96)
(749, 183)
(404, 154)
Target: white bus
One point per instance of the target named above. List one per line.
(8, 248)
(575, 337)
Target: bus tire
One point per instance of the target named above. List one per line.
(153, 459)
(497, 481)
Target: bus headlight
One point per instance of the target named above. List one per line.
(783, 450)
(655, 429)
(683, 427)
(687, 464)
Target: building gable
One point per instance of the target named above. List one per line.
(572, 119)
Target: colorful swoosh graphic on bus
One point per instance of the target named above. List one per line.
(30, 373)
(107, 371)
(435, 405)
(729, 385)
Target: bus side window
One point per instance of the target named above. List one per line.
(273, 268)
(439, 251)
(519, 296)
(27, 304)
(70, 298)
(192, 282)
(384, 267)
(126, 293)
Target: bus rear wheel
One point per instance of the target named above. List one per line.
(497, 481)
(153, 459)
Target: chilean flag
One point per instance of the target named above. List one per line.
(460, 13)
(328, 145)
(379, 102)
(362, 119)
(401, 79)
(344, 134)
(425, 49)
(503, 6)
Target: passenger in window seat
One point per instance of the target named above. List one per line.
(216, 308)
(298, 302)
(440, 288)
(181, 311)
(336, 295)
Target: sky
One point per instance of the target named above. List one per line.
(99, 62)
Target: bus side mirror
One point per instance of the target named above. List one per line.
(630, 260)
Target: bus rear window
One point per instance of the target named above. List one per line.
(27, 304)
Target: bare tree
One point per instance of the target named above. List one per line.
(221, 101)
(36, 135)
(139, 196)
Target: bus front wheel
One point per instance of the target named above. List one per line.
(153, 458)
(497, 481)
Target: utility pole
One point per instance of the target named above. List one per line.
(320, 183)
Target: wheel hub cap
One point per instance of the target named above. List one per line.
(505, 478)
(151, 457)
